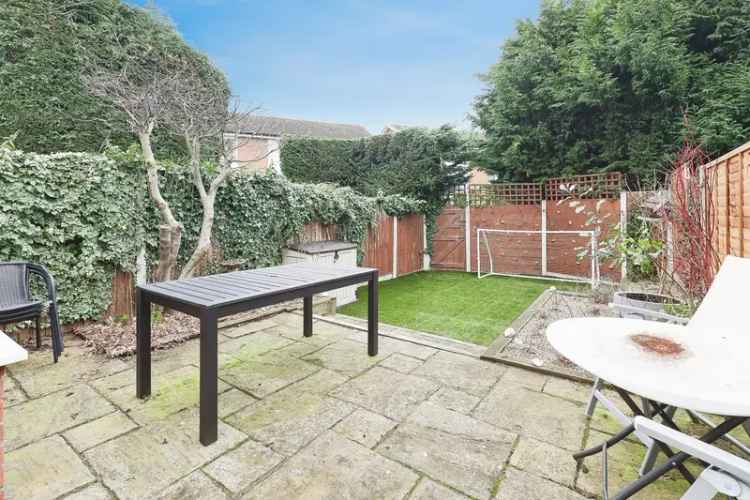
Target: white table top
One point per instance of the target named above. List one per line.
(10, 352)
(712, 375)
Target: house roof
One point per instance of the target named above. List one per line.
(276, 126)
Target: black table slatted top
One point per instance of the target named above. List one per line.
(229, 288)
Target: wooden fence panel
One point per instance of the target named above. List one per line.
(729, 179)
(449, 240)
(410, 248)
(521, 253)
(378, 247)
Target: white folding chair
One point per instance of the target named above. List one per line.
(724, 474)
(723, 309)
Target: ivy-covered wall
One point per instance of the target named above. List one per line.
(85, 216)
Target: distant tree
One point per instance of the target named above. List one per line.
(45, 47)
(601, 85)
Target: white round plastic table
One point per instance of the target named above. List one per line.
(712, 375)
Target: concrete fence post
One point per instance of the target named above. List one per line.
(467, 230)
(544, 237)
(395, 246)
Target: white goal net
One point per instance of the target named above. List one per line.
(547, 254)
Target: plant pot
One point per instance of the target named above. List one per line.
(644, 302)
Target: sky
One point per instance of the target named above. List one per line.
(370, 62)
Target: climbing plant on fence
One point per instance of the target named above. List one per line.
(86, 216)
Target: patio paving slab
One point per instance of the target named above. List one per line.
(13, 393)
(567, 389)
(143, 463)
(346, 357)
(520, 485)
(70, 371)
(197, 485)
(533, 414)
(401, 363)
(527, 378)
(94, 492)
(241, 467)
(171, 393)
(459, 450)
(232, 401)
(332, 468)
(461, 372)
(365, 427)
(263, 375)
(97, 431)
(44, 470)
(455, 400)
(247, 328)
(288, 420)
(56, 412)
(545, 460)
(430, 490)
(392, 394)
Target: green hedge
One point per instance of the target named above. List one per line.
(85, 216)
(419, 163)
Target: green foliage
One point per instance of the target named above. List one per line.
(86, 215)
(418, 163)
(602, 85)
(78, 214)
(45, 48)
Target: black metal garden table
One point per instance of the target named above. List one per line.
(212, 297)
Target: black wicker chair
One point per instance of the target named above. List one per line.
(17, 303)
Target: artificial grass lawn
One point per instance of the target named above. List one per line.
(453, 304)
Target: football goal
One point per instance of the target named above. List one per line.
(546, 254)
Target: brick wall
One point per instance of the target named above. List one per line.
(2, 433)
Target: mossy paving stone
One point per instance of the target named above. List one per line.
(517, 485)
(247, 328)
(67, 372)
(624, 460)
(455, 400)
(56, 412)
(142, 463)
(288, 420)
(239, 468)
(261, 375)
(335, 468)
(401, 363)
(94, 492)
(392, 394)
(13, 394)
(463, 452)
(526, 378)
(195, 486)
(461, 372)
(97, 431)
(365, 427)
(430, 490)
(567, 389)
(347, 357)
(533, 414)
(44, 470)
(544, 460)
(171, 393)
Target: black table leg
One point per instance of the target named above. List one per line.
(307, 308)
(209, 376)
(143, 345)
(372, 314)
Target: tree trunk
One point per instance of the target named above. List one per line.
(170, 230)
(203, 247)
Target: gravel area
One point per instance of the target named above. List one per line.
(529, 343)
